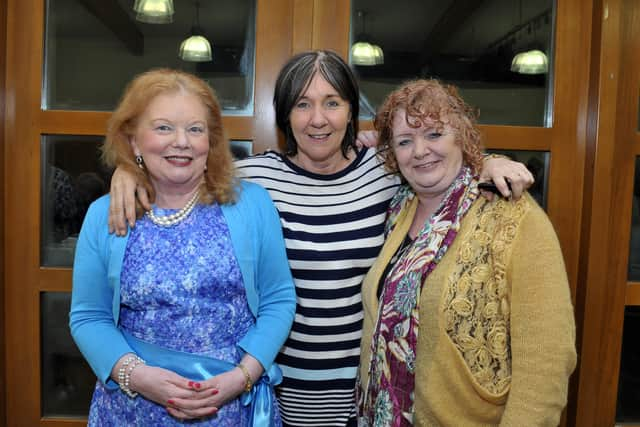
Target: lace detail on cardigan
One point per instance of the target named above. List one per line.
(476, 305)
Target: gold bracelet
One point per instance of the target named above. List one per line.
(248, 383)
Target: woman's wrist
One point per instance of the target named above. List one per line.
(246, 375)
(123, 371)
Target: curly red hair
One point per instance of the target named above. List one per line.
(430, 102)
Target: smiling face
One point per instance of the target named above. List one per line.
(173, 139)
(319, 121)
(428, 156)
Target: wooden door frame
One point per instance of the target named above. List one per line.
(583, 193)
(613, 121)
(3, 63)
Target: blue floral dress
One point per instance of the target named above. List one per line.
(181, 288)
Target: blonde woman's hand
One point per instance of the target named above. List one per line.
(183, 398)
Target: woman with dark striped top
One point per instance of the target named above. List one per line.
(332, 199)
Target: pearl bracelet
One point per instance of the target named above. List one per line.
(124, 374)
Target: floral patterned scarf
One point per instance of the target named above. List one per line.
(387, 399)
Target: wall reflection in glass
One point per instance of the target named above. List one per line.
(72, 177)
(634, 241)
(471, 44)
(628, 403)
(67, 380)
(93, 48)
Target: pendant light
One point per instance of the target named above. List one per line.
(363, 52)
(154, 11)
(530, 62)
(533, 61)
(195, 48)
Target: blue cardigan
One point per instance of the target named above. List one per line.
(256, 235)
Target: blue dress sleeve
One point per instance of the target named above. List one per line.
(274, 302)
(94, 302)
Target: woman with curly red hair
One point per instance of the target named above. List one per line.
(468, 316)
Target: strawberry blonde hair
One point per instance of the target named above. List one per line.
(219, 181)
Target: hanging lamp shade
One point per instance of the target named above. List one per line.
(154, 11)
(195, 48)
(363, 53)
(530, 62)
(378, 54)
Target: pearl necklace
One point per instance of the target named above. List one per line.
(174, 218)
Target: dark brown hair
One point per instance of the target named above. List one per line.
(293, 80)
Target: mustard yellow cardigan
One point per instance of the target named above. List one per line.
(496, 342)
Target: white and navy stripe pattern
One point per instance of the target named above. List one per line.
(333, 228)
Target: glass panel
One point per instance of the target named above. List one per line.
(67, 380)
(634, 244)
(72, 177)
(94, 47)
(538, 164)
(470, 44)
(628, 405)
(241, 149)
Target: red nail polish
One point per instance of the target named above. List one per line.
(170, 402)
(190, 383)
(214, 392)
(197, 385)
(215, 411)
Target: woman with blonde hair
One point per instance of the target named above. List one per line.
(182, 317)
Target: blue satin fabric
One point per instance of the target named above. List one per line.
(200, 368)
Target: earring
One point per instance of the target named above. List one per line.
(139, 161)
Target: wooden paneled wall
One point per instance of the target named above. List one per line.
(613, 145)
(3, 67)
(595, 97)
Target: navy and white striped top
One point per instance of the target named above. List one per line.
(333, 228)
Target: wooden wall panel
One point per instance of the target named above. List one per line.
(331, 20)
(62, 423)
(24, 56)
(592, 329)
(632, 294)
(517, 138)
(571, 76)
(302, 26)
(95, 123)
(3, 63)
(613, 123)
(273, 48)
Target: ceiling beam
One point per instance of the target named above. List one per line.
(116, 19)
(450, 21)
